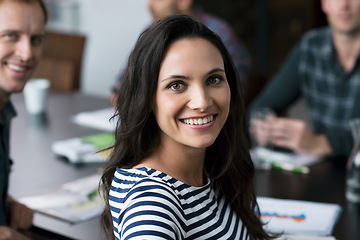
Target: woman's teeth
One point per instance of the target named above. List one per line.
(198, 121)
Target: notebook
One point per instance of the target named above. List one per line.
(85, 149)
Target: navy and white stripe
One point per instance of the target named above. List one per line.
(148, 204)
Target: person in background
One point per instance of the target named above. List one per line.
(324, 68)
(22, 31)
(180, 167)
(163, 8)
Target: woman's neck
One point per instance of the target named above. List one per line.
(183, 163)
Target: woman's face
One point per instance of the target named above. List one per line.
(192, 99)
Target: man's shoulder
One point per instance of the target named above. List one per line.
(7, 112)
(317, 35)
(9, 106)
(211, 21)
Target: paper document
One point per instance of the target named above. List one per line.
(99, 119)
(85, 149)
(73, 202)
(304, 237)
(298, 217)
(268, 156)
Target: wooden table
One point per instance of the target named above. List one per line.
(36, 169)
(325, 183)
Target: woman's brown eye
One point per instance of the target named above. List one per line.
(214, 80)
(177, 86)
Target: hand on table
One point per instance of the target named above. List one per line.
(113, 99)
(260, 124)
(7, 233)
(20, 216)
(114, 94)
(260, 132)
(292, 134)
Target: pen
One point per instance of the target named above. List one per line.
(290, 167)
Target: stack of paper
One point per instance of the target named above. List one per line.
(73, 202)
(304, 237)
(99, 119)
(85, 149)
(298, 217)
(266, 156)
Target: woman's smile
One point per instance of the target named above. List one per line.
(198, 121)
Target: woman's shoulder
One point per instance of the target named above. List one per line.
(142, 187)
(141, 180)
(129, 183)
(143, 174)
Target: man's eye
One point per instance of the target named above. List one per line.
(10, 36)
(37, 40)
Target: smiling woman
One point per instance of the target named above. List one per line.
(180, 167)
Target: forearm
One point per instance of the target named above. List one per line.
(283, 89)
(294, 134)
(20, 216)
(321, 146)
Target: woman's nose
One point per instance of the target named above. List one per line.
(200, 99)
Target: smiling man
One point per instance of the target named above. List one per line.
(22, 24)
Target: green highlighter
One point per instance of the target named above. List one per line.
(290, 167)
(100, 141)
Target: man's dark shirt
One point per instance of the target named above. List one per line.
(6, 114)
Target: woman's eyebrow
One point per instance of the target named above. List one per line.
(175, 76)
(215, 70)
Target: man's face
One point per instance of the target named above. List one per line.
(162, 8)
(343, 15)
(21, 35)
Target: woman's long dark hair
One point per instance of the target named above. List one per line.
(227, 161)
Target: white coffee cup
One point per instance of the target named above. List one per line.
(35, 94)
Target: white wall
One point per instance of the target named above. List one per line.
(111, 28)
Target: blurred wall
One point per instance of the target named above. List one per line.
(268, 28)
(111, 28)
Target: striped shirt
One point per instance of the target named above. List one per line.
(148, 204)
